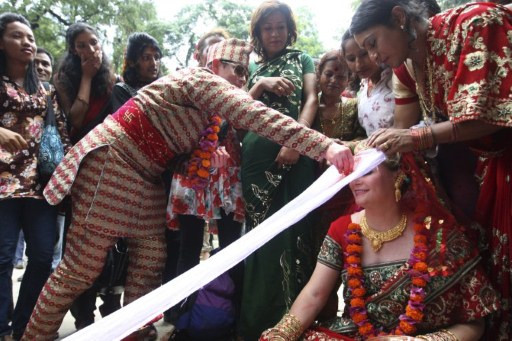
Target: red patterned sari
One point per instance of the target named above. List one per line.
(463, 296)
(470, 54)
(470, 57)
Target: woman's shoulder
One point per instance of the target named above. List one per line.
(480, 13)
(349, 103)
(307, 62)
(339, 227)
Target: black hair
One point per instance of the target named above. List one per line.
(46, 52)
(432, 6)
(30, 82)
(137, 42)
(261, 13)
(378, 12)
(354, 82)
(70, 68)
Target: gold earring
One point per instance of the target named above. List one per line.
(398, 185)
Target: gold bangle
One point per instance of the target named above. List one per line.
(304, 122)
(450, 333)
(422, 337)
(83, 101)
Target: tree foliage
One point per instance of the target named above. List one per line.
(114, 20)
(308, 39)
(192, 21)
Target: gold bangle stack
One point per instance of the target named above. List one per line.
(288, 329)
(423, 138)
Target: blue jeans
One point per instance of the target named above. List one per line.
(38, 220)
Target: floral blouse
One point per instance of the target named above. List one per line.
(24, 114)
(224, 190)
(376, 107)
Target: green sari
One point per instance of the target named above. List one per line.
(276, 273)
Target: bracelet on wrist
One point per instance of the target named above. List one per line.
(289, 327)
(422, 138)
(449, 333)
(304, 122)
(440, 335)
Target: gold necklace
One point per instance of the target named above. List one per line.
(333, 120)
(427, 106)
(378, 238)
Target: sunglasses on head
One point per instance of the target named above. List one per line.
(239, 69)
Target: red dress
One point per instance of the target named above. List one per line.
(470, 57)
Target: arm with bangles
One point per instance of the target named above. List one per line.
(306, 307)
(395, 140)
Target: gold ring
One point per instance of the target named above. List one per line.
(385, 146)
(279, 89)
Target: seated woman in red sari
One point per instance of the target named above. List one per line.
(461, 64)
(406, 267)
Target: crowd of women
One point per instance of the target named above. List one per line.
(421, 245)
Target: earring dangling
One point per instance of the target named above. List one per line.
(398, 185)
(402, 27)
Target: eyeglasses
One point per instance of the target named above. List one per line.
(240, 70)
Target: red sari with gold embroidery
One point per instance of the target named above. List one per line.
(470, 55)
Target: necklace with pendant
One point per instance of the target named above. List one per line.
(332, 121)
(378, 238)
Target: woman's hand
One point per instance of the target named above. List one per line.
(91, 64)
(220, 158)
(278, 85)
(287, 156)
(341, 157)
(11, 141)
(392, 140)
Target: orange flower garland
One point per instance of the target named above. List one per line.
(419, 277)
(199, 163)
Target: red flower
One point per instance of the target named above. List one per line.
(354, 283)
(407, 328)
(354, 248)
(358, 318)
(179, 206)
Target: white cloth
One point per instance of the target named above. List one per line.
(127, 320)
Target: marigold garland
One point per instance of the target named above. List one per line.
(199, 163)
(418, 271)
